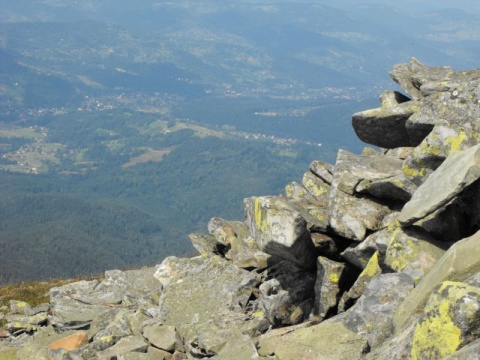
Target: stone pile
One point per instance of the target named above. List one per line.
(374, 257)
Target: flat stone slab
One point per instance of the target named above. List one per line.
(457, 172)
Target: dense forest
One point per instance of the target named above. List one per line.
(109, 197)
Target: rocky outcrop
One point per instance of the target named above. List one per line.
(373, 257)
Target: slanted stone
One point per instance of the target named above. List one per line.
(386, 126)
(71, 342)
(329, 287)
(395, 188)
(124, 346)
(459, 263)
(372, 314)
(238, 347)
(361, 254)
(318, 188)
(287, 297)
(371, 270)
(323, 170)
(411, 77)
(206, 245)
(205, 291)
(280, 229)
(163, 337)
(412, 252)
(468, 352)
(351, 214)
(297, 192)
(449, 321)
(314, 342)
(457, 172)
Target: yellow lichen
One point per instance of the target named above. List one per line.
(412, 173)
(437, 335)
(258, 314)
(455, 143)
(372, 267)
(334, 277)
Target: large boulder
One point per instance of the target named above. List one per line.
(280, 229)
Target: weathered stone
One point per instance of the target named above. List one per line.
(460, 170)
(158, 353)
(329, 286)
(21, 323)
(386, 126)
(318, 188)
(117, 328)
(372, 314)
(38, 346)
(71, 342)
(411, 77)
(280, 229)
(394, 188)
(459, 263)
(297, 192)
(238, 347)
(323, 170)
(398, 347)
(206, 245)
(287, 297)
(163, 337)
(351, 216)
(468, 352)
(124, 346)
(314, 343)
(412, 252)
(361, 254)
(221, 229)
(207, 290)
(371, 270)
(449, 321)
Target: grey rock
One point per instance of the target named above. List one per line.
(323, 170)
(470, 351)
(287, 295)
(372, 314)
(280, 229)
(454, 306)
(386, 126)
(350, 214)
(460, 170)
(459, 263)
(318, 188)
(297, 192)
(163, 337)
(124, 346)
(206, 245)
(412, 252)
(328, 287)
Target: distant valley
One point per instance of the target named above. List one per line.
(125, 126)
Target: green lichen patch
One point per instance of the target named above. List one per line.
(449, 321)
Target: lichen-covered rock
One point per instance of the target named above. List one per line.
(350, 214)
(470, 351)
(329, 286)
(412, 252)
(459, 263)
(287, 295)
(460, 170)
(361, 254)
(323, 170)
(449, 321)
(297, 192)
(163, 337)
(280, 229)
(211, 290)
(372, 313)
(124, 346)
(318, 188)
(206, 245)
(371, 270)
